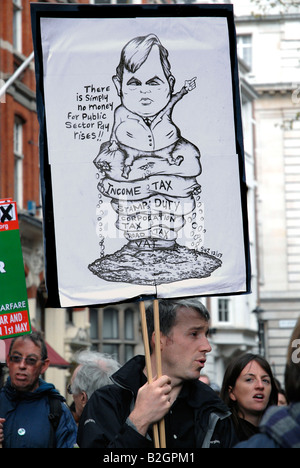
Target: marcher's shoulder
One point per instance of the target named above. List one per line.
(258, 441)
(67, 429)
(66, 410)
(210, 399)
(110, 394)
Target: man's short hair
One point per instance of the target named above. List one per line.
(94, 372)
(168, 315)
(37, 338)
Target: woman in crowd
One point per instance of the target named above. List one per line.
(248, 390)
(280, 427)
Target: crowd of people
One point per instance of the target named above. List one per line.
(118, 406)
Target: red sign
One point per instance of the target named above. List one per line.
(14, 310)
(14, 323)
(8, 215)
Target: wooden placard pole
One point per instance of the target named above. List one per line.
(148, 363)
(162, 429)
(162, 442)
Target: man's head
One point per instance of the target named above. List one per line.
(143, 77)
(93, 372)
(184, 326)
(27, 360)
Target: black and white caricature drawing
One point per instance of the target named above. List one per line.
(142, 168)
(151, 174)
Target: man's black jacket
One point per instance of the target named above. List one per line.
(103, 422)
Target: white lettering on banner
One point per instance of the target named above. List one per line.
(13, 318)
(17, 328)
(2, 267)
(3, 319)
(13, 306)
(14, 322)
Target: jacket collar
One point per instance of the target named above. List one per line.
(43, 389)
(199, 395)
(140, 120)
(131, 376)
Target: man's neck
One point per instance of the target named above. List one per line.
(176, 383)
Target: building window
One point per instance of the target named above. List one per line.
(114, 331)
(129, 324)
(17, 25)
(18, 162)
(244, 48)
(110, 329)
(223, 310)
(94, 322)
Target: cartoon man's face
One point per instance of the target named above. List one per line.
(147, 91)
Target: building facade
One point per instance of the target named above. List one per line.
(19, 165)
(233, 323)
(269, 40)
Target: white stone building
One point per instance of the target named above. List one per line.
(269, 41)
(234, 326)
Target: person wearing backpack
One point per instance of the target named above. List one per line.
(33, 413)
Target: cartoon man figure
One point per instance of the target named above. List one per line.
(143, 123)
(150, 173)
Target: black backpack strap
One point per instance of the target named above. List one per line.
(54, 418)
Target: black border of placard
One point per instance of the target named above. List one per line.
(78, 11)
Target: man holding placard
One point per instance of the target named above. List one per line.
(123, 415)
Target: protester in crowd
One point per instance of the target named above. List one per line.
(34, 411)
(282, 401)
(205, 379)
(123, 414)
(215, 387)
(93, 372)
(248, 389)
(280, 426)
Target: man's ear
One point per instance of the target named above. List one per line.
(83, 398)
(117, 84)
(163, 340)
(45, 366)
(152, 347)
(171, 81)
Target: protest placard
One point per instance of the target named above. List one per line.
(14, 310)
(142, 161)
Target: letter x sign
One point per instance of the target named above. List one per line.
(5, 213)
